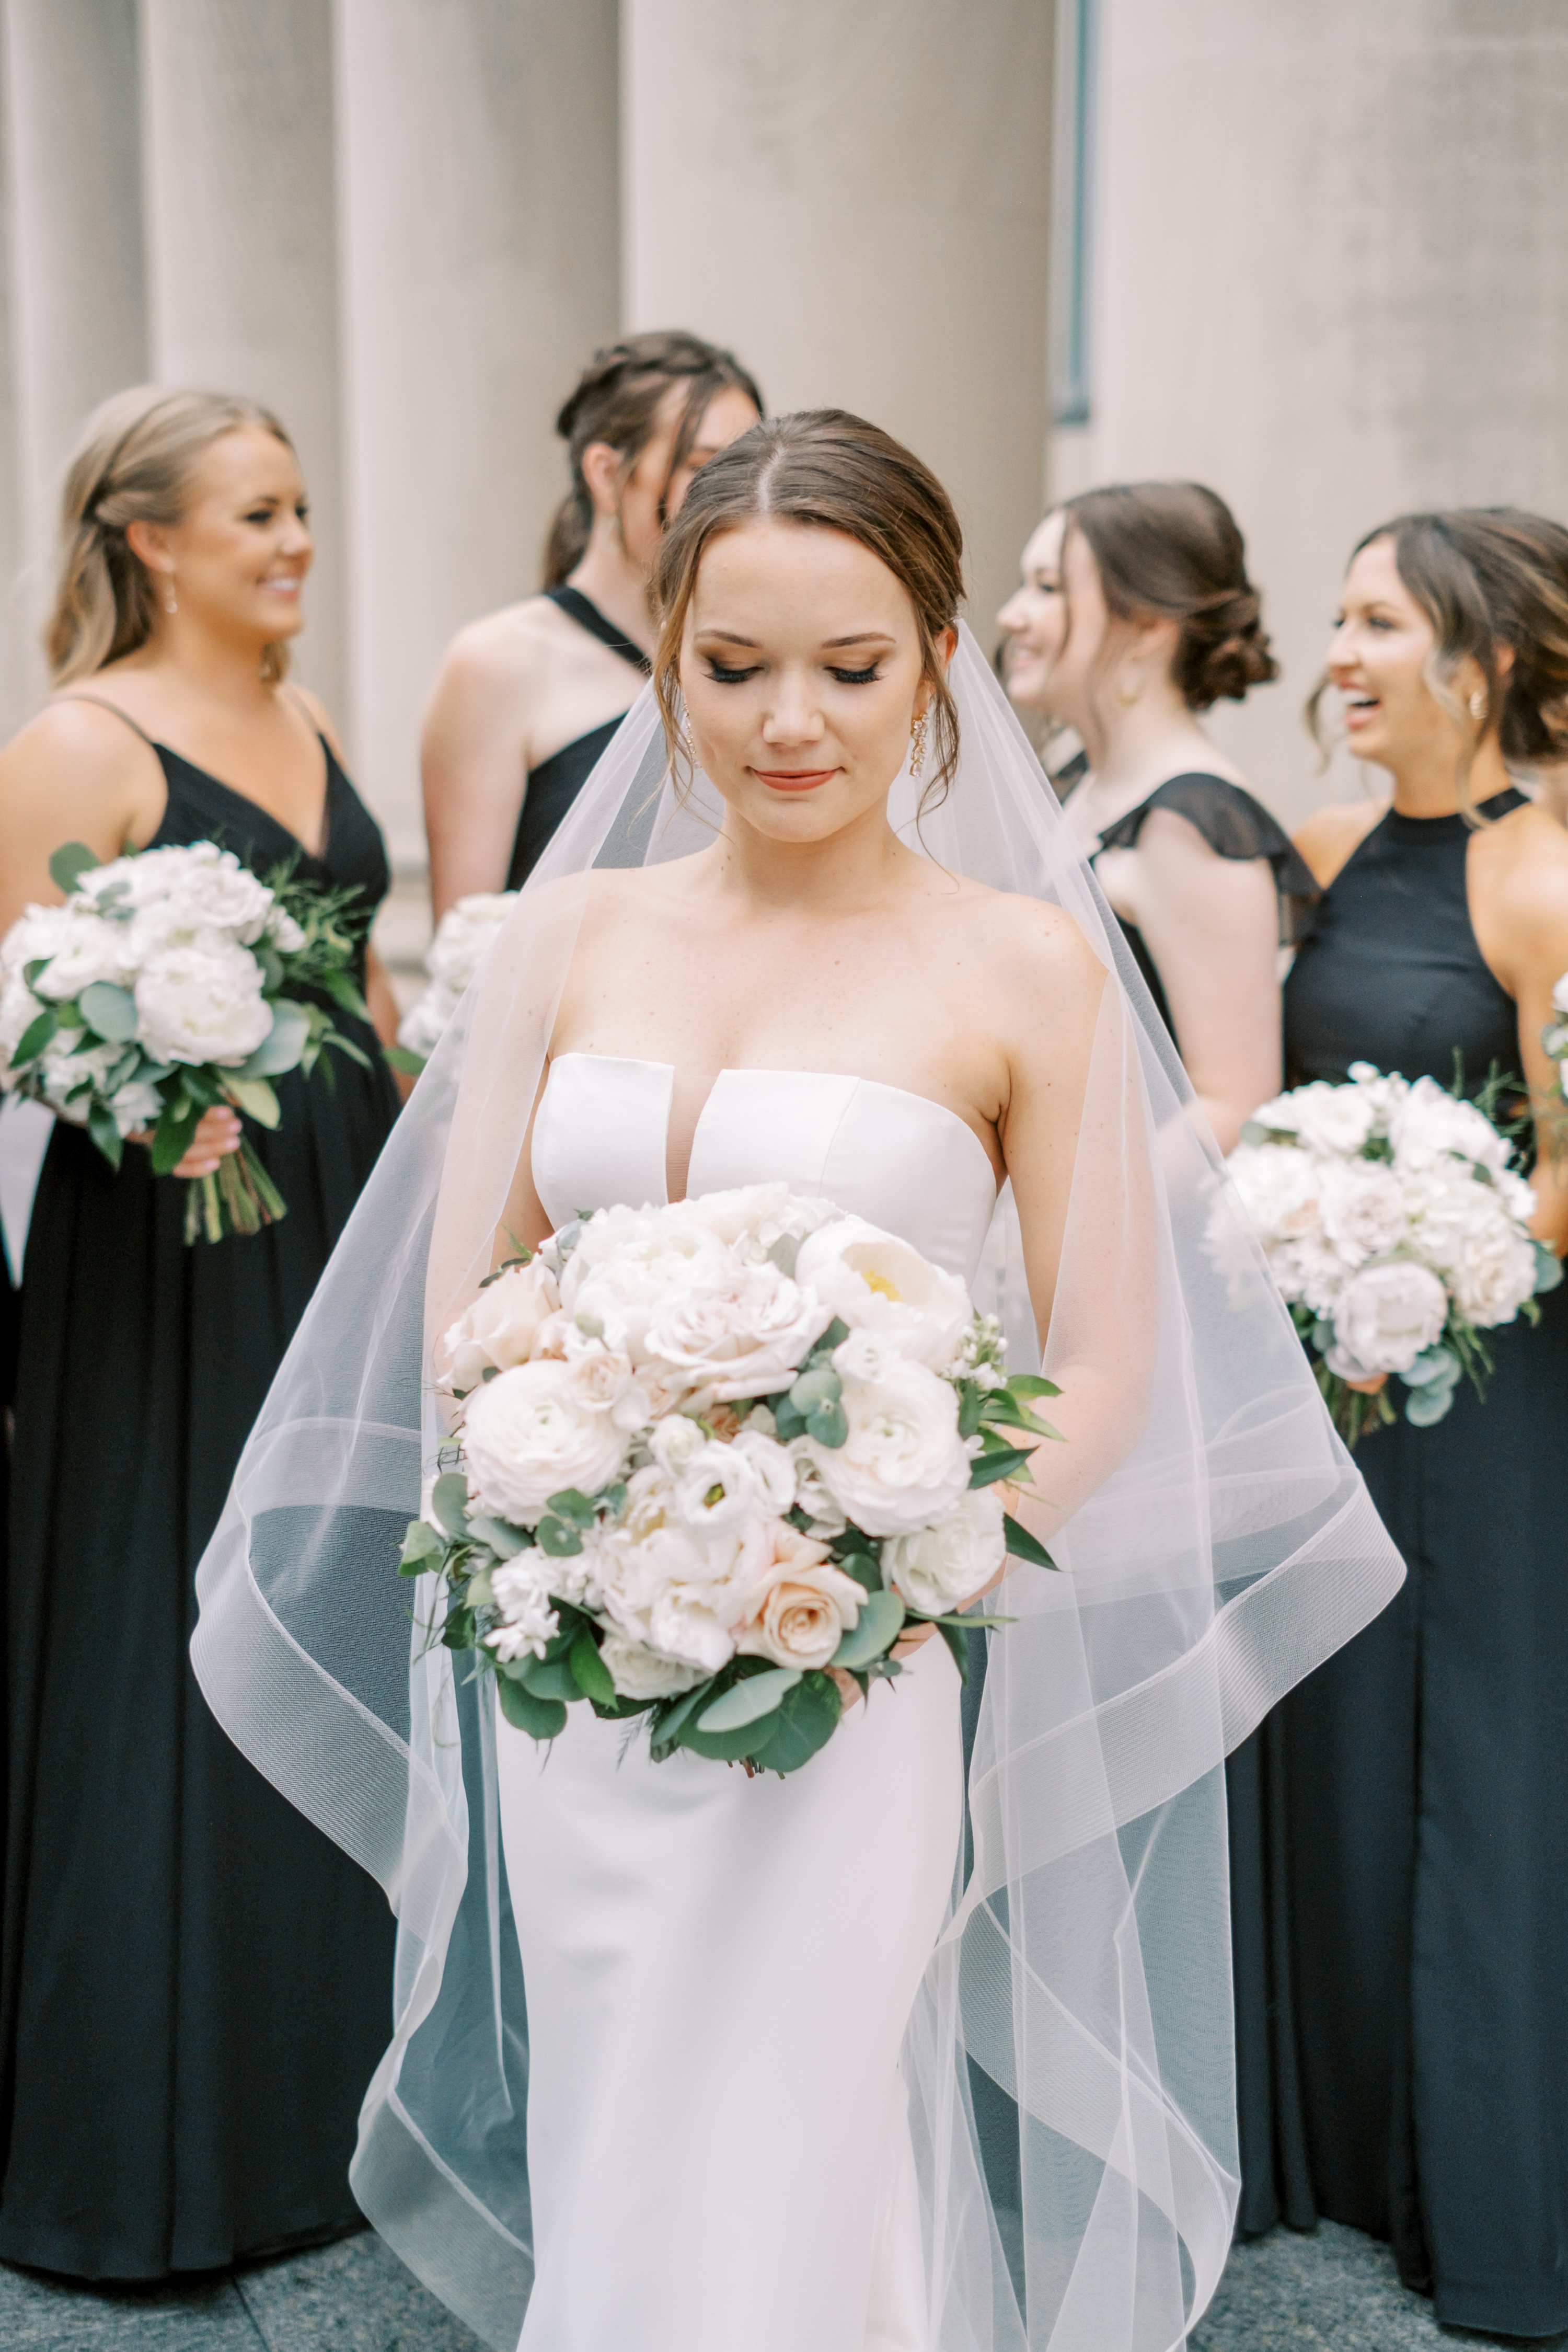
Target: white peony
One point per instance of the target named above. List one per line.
(201, 1001)
(753, 1217)
(627, 1267)
(1328, 1119)
(529, 1624)
(938, 1568)
(738, 1331)
(806, 1605)
(1362, 1209)
(84, 948)
(1281, 1189)
(528, 1433)
(1384, 1318)
(1431, 1122)
(465, 936)
(875, 1282)
(499, 1330)
(180, 891)
(903, 1464)
(1493, 1271)
(640, 1672)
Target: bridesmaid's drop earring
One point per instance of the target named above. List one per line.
(918, 748)
(1477, 705)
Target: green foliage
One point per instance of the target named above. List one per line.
(541, 1718)
(589, 1671)
(747, 1702)
(805, 1721)
(109, 1012)
(1024, 1546)
(880, 1622)
(69, 863)
(449, 1501)
(999, 1461)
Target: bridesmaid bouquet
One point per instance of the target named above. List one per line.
(704, 1452)
(163, 986)
(1397, 1232)
(463, 937)
(1555, 1037)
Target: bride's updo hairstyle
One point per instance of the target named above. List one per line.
(832, 471)
(617, 399)
(133, 464)
(1172, 551)
(1486, 578)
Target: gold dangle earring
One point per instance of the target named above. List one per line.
(917, 749)
(1477, 706)
(171, 602)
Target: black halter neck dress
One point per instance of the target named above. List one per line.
(196, 1985)
(556, 782)
(1411, 1842)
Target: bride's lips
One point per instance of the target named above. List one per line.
(793, 780)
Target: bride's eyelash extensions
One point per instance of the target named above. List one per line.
(856, 676)
(719, 676)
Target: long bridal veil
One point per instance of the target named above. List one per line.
(1069, 2060)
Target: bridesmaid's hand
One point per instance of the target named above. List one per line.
(217, 1134)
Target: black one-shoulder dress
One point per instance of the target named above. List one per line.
(196, 1985)
(556, 782)
(1413, 1808)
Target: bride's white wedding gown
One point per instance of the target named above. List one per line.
(718, 1971)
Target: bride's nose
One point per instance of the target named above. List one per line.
(794, 718)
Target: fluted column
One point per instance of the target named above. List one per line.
(855, 199)
(240, 208)
(1330, 275)
(477, 157)
(74, 314)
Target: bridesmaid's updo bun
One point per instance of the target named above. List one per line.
(133, 464)
(1172, 551)
(825, 468)
(617, 399)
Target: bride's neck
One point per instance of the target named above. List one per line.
(810, 876)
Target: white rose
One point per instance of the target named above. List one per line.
(806, 1607)
(1494, 1271)
(529, 1624)
(1311, 1271)
(201, 1001)
(903, 1464)
(674, 1441)
(498, 1329)
(639, 1673)
(1441, 1201)
(529, 1434)
(217, 891)
(742, 1333)
(1384, 1318)
(1362, 1209)
(875, 1282)
(600, 1376)
(938, 1568)
(1431, 1122)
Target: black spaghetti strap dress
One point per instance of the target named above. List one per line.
(1415, 1808)
(196, 1985)
(556, 782)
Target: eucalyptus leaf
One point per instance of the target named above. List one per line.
(1548, 1269)
(864, 1569)
(505, 1541)
(829, 1424)
(449, 1501)
(570, 1505)
(550, 1678)
(255, 1096)
(69, 863)
(882, 1617)
(557, 1540)
(110, 1010)
(806, 1720)
(281, 1048)
(422, 1548)
(541, 1718)
(1424, 1406)
(748, 1700)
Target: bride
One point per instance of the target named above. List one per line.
(888, 2056)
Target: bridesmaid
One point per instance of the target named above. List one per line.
(1422, 1826)
(529, 697)
(195, 1984)
(1136, 614)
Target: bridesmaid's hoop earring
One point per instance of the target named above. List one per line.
(918, 748)
(1127, 701)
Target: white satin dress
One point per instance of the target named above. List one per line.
(718, 1971)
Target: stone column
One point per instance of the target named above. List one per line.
(239, 130)
(74, 316)
(478, 170)
(1329, 276)
(855, 199)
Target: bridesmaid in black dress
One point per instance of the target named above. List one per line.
(1419, 1809)
(196, 1985)
(530, 696)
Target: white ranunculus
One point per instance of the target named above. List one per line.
(1328, 1119)
(528, 1622)
(877, 1283)
(805, 1605)
(498, 1329)
(639, 1673)
(1362, 1209)
(938, 1568)
(1431, 1122)
(528, 1435)
(903, 1464)
(866, 1356)
(743, 1332)
(1384, 1318)
(1494, 1271)
(201, 1001)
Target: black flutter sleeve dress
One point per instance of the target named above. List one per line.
(1405, 1895)
(196, 1985)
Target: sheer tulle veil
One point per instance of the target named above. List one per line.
(1069, 2059)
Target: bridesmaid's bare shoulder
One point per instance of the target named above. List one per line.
(1329, 835)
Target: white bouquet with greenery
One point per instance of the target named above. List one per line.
(703, 1453)
(167, 981)
(1555, 1037)
(1397, 1230)
(463, 937)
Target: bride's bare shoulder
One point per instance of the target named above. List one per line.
(1025, 941)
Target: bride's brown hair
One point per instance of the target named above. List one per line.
(826, 469)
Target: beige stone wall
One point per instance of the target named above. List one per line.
(1330, 277)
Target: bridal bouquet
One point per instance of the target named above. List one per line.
(162, 985)
(463, 937)
(704, 1452)
(1555, 1037)
(1397, 1231)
